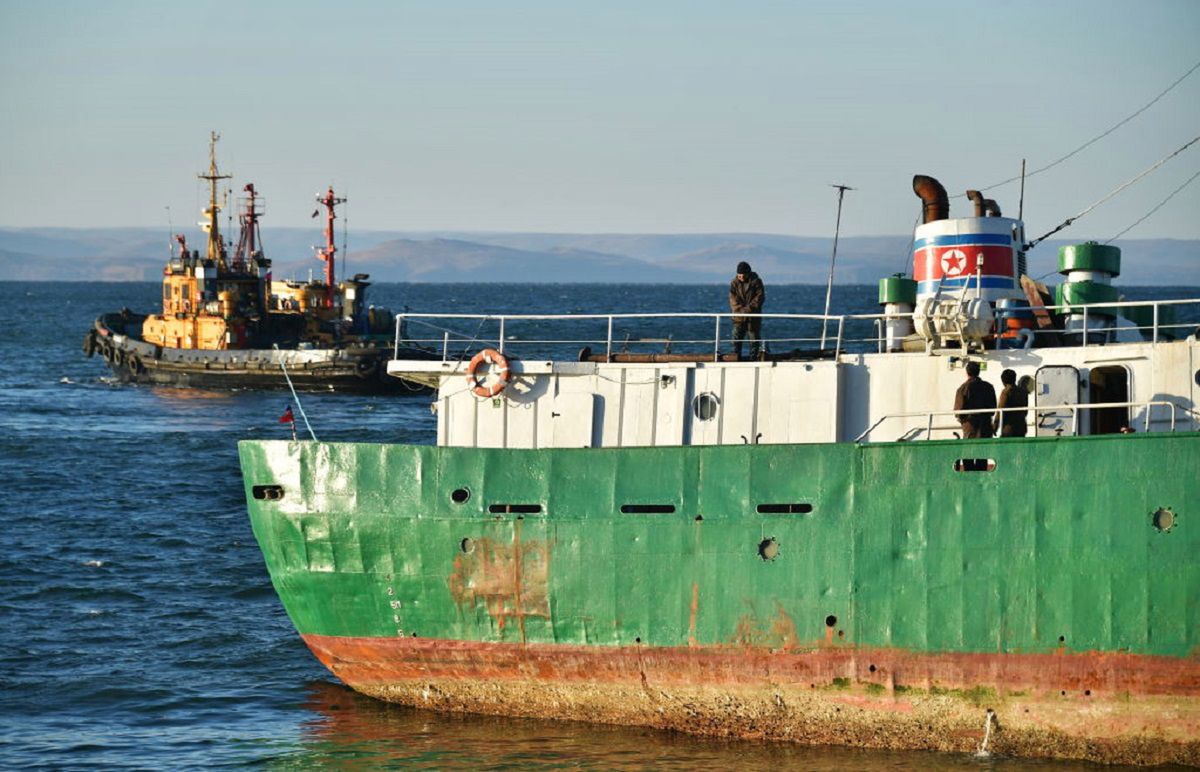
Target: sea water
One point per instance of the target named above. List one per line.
(138, 626)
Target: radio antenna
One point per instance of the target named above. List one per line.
(841, 189)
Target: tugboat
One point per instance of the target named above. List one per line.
(800, 548)
(225, 323)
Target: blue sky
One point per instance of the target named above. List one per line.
(603, 117)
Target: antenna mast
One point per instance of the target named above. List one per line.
(216, 247)
(841, 189)
(329, 201)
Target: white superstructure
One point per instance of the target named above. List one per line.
(1148, 385)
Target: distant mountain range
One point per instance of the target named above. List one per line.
(138, 254)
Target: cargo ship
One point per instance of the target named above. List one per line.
(803, 547)
(226, 324)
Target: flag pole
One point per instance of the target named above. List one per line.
(841, 189)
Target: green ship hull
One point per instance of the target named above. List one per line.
(1037, 596)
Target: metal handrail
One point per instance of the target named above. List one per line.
(1073, 407)
(505, 319)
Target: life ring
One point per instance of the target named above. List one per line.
(499, 367)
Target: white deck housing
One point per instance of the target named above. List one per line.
(1151, 386)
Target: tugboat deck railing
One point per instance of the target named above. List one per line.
(1039, 410)
(449, 340)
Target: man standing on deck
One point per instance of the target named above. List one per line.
(746, 296)
(1011, 423)
(975, 394)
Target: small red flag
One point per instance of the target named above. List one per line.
(287, 416)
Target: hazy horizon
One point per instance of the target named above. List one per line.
(628, 118)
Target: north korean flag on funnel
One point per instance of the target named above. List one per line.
(952, 257)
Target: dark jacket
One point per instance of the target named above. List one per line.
(1012, 424)
(976, 394)
(746, 297)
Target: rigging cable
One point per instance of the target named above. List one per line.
(1114, 192)
(1155, 209)
(295, 396)
(1098, 137)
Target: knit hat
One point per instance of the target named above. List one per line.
(743, 267)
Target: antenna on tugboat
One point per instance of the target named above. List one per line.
(329, 251)
(216, 246)
(170, 232)
(841, 189)
(345, 235)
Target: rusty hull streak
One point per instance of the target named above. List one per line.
(778, 633)
(909, 700)
(695, 609)
(511, 580)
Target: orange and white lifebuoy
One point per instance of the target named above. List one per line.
(499, 366)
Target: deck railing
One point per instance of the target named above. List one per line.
(912, 432)
(503, 324)
(855, 333)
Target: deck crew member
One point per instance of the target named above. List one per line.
(975, 394)
(1011, 423)
(746, 296)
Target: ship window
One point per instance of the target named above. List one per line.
(267, 492)
(705, 405)
(784, 509)
(975, 465)
(460, 495)
(647, 509)
(768, 549)
(515, 509)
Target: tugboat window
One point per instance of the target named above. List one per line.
(704, 406)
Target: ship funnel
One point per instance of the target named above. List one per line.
(984, 207)
(931, 192)
(976, 198)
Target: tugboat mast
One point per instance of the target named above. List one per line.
(329, 201)
(249, 240)
(216, 247)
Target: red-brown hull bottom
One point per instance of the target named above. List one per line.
(1116, 708)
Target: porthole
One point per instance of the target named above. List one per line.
(768, 549)
(705, 405)
(460, 495)
(1163, 519)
